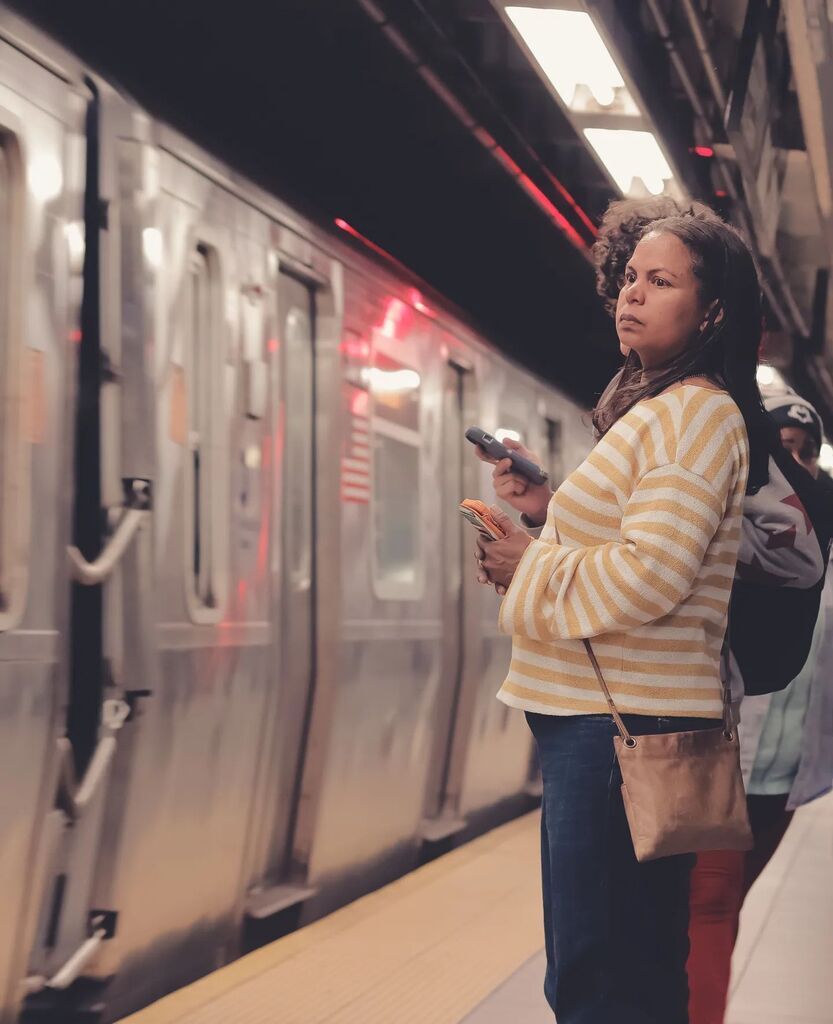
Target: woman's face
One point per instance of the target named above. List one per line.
(660, 309)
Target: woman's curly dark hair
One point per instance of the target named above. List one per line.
(622, 226)
(724, 349)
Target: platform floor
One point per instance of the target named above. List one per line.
(460, 941)
(782, 971)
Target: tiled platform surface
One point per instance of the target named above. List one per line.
(426, 949)
(783, 965)
(459, 941)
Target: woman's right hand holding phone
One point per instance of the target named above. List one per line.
(530, 499)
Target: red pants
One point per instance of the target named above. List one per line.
(719, 884)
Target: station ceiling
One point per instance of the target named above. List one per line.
(376, 111)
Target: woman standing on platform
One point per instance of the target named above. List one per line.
(637, 552)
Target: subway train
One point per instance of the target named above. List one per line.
(245, 669)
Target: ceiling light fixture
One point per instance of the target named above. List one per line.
(587, 77)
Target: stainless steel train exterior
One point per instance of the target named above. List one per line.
(300, 668)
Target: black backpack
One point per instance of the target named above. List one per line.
(777, 591)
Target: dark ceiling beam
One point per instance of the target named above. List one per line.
(306, 99)
(517, 157)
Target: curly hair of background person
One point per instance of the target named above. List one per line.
(623, 224)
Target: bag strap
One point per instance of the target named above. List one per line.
(627, 739)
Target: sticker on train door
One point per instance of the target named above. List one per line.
(34, 430)
(355, 459)
(178, 419)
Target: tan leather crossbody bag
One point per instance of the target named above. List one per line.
(683, 791)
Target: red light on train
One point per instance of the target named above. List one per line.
(356, 348)
(705, 151)
(415, 299)
(360, 404)
(272, 344)
(75, 336)
(396, 318)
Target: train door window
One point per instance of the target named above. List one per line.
(14, 484)
(395, 399)
(205, 426)
(297, 301)
(555, 452)
(4, 356)
(512, 429)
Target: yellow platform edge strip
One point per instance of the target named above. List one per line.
(511, 850)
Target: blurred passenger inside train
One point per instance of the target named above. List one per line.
(637, 553)
(786, 750)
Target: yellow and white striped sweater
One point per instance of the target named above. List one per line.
(638, 552)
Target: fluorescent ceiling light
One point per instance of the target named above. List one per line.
(573, 55)
(574, 58)
(634, 160)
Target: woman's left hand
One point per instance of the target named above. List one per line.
(498, 559)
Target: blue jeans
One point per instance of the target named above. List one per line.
(616, 931)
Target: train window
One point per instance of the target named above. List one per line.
(555, 452)
(14, 485)
(4, 354)
(299, 412)
(502, 433)
(203, 505)
(394, 390)
(510, 427)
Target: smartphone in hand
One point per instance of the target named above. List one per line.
(497, 451)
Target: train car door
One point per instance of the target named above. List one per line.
(307, 666)
(552, 459)
(493, 751)
(454, 704)
(42, 164)
(273, 885)
(553, 453)
(186, 630)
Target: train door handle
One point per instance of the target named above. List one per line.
(137, 505)
(74, 796)
(71, 970)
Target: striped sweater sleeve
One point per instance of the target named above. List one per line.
(561, 592)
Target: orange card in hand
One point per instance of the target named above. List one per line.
(480, 516)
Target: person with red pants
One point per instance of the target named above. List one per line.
(787, 754)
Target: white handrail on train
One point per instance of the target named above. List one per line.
(71, 970)
(91, 573)
(76, 796)
(94, 774)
